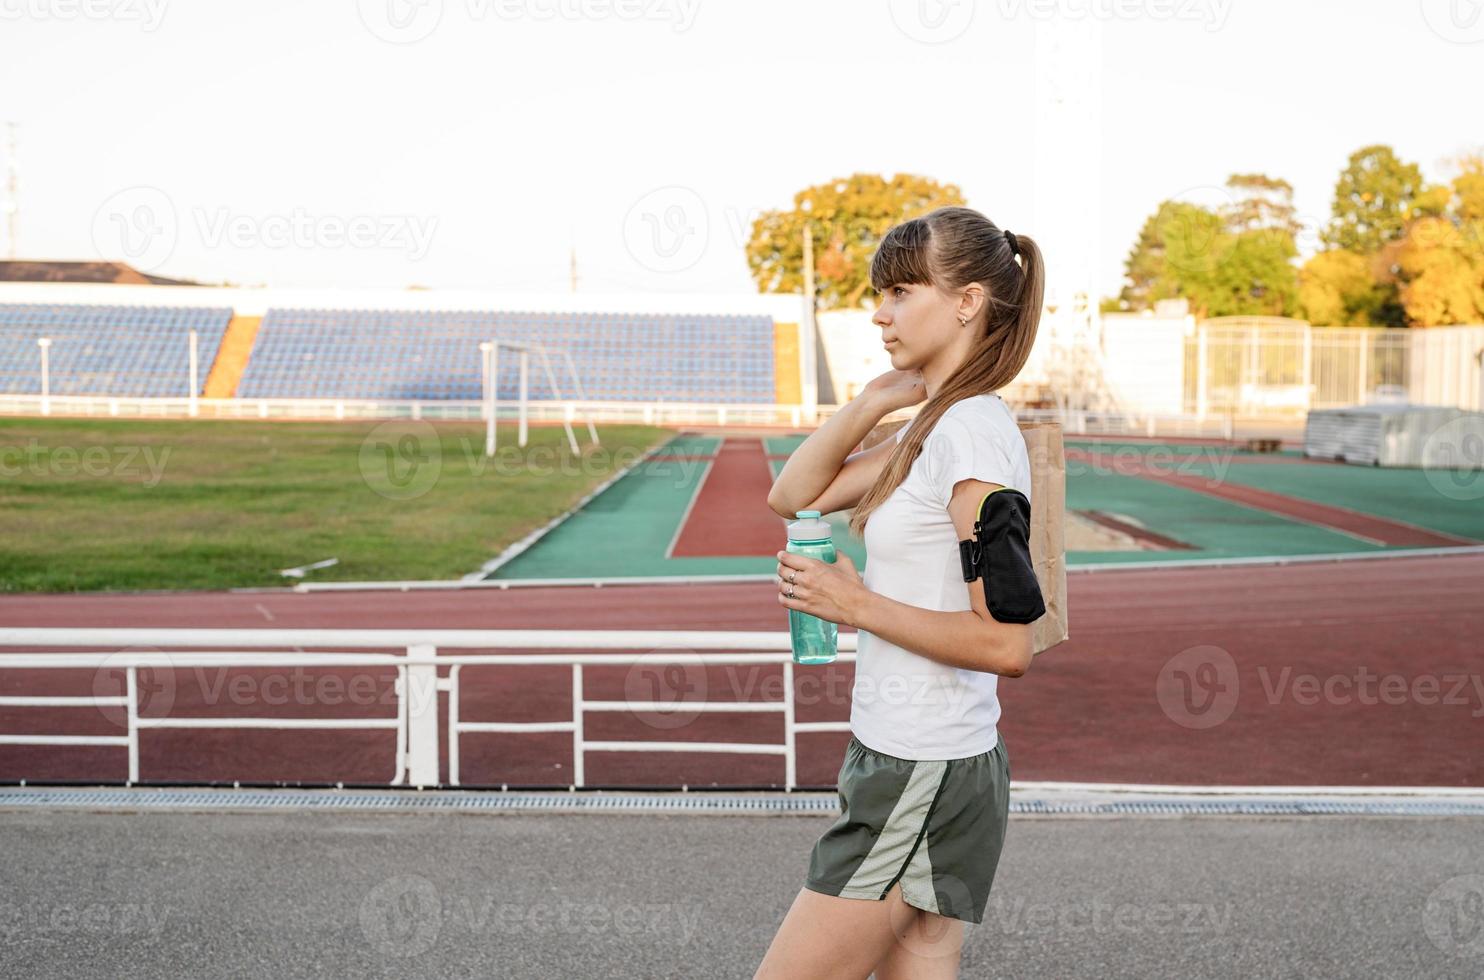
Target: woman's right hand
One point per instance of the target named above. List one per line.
(896, 389)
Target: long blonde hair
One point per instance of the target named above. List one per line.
(950, 248)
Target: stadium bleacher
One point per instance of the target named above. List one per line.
(430, 355)
(127, 351)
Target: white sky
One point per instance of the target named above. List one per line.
(479, 154)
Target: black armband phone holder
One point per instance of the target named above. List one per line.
(1000, 554)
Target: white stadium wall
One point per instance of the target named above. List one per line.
(1144, 361)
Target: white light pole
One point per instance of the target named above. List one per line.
(488, 359)
(46, 390)
(809, 383)
(525, 371)
(193, 372)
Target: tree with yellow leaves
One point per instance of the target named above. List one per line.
(848, 217)
(1442, 257)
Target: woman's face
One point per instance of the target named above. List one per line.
(918, 323)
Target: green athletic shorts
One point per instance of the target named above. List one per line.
(935, 825)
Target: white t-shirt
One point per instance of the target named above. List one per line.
(903, 703)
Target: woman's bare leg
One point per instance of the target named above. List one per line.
(824, 937)
(927, 950)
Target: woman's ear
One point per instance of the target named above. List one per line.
(970, 303)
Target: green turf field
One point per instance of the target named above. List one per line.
(122, 504)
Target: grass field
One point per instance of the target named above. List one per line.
(121, 504)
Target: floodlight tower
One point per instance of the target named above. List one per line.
(12, 190)
(1067, 203)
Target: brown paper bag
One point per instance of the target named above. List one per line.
(1043, 444)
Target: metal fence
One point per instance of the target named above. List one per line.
(424, 668)
(1274, 367)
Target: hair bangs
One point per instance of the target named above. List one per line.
(902, 256)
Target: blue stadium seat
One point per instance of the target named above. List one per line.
(434, 355)
(129, 351)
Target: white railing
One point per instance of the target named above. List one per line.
(658, 413)
(417, 684)
(539, 410)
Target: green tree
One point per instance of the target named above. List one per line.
(848, 216)
(1373, 200)
(1177, 244)
(1261, 202)
(1235, 262)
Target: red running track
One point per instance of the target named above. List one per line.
(730, 515)
(1365, 672)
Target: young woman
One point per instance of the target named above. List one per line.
(924, 786)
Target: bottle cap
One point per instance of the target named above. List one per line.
(809, 527)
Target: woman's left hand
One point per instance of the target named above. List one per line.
(833, 592)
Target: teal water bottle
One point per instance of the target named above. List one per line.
(814, 639)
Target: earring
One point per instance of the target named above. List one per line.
(963, 321)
